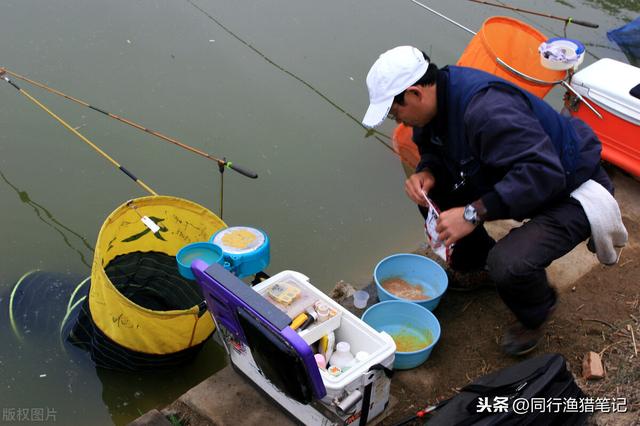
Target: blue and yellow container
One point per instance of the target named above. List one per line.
(245, 249)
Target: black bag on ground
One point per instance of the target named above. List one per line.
(507, 397)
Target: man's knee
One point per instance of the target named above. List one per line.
(497, 266)
(507, 267)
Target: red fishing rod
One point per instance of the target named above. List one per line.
(222, 163)
(567, 21)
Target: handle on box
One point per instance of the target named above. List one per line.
(228, 263)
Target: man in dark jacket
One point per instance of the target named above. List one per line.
(490, 150)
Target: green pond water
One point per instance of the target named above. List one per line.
(274, 86)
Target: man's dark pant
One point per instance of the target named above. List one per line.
(517, 262)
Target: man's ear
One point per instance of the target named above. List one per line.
(414, 91)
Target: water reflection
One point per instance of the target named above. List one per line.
(129, 395)
(55, 373)
(46, 217)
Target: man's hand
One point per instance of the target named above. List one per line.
(452, 227)
(416, 184)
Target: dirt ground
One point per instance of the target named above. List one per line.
(600, 313)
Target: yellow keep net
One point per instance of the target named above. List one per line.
(125, 322)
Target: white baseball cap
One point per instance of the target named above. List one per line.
(390, 75)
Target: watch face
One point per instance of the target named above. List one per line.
(470, 214)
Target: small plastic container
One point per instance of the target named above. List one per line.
(290, 297)
(322, 310)
(561, 53)
(246, 249)
(207, 252)
(360, 299)
(322, 363)
(342, 356)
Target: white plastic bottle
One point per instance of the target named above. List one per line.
(342, 356)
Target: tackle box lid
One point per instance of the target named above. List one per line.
(608, 83)
(280, 353)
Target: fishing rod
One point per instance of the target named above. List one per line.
(78, 134)
(567, 21)
(221, 163)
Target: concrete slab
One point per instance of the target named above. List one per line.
(151, 418)
(226, 398)
(628, 195)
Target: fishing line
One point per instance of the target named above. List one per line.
(446, 18)
(79, 135)
(221, 163)
(370, 132)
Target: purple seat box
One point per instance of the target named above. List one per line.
(245, 316)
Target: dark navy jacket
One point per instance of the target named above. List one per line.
(493, 141)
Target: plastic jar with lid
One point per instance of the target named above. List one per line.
(342, 356)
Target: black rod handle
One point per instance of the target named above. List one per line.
(583, 23)
(247, 173)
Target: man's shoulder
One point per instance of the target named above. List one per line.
(496, 99)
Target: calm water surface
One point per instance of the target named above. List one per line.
(275, 86)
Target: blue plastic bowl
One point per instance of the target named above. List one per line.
(207, 252)
(408, 323)
(414, 269)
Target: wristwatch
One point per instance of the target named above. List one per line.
(471, 215)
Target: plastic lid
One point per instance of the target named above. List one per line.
(322, 309)
(343, 347)
(579, 47)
